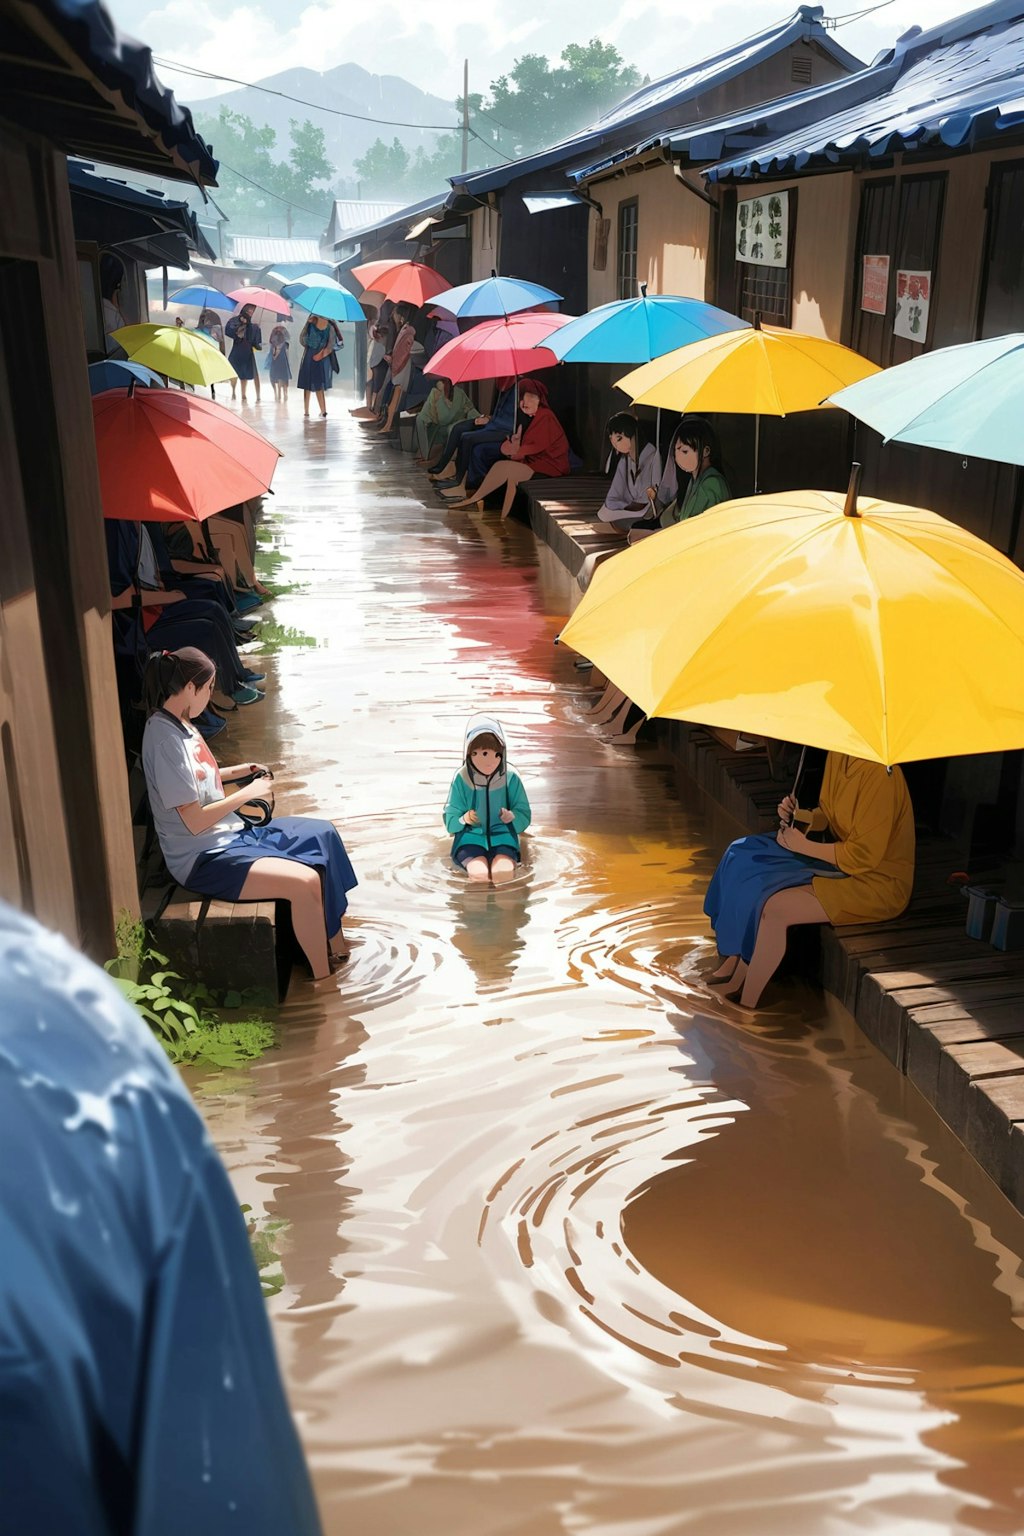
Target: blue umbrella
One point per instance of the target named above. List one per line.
(205, 298)
(967, 400)
(639, 330)
(116, 374)
(493, 296)
(323, 296)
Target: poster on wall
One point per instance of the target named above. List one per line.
(913, 296)
(874, 288)
(762, 230)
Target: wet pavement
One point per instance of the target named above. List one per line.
(568, 1245)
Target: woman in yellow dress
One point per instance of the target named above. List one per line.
(765, 885)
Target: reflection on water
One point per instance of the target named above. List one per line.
(572, 1247)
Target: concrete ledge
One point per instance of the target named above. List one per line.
(947, 1010)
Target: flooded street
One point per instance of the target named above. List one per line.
(569, 1246)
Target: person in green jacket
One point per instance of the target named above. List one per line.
(487, 806)
(695, 452)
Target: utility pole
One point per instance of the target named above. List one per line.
(288, 216)
(465, 116)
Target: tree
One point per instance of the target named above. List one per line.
(259, 191)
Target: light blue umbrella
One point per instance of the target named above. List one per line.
(323, 296)
(967, 400)
(205, 298)
(493, 296)
(115, 373)
(639, 330)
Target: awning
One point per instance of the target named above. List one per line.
(68, 74)
(545, 202)
(155, 230)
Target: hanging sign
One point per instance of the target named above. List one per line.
(762, 230)
(913, 296)
(874, 288)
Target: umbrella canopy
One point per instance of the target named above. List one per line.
(169, 456)
(637, 330)
(495, 296)
(205, 298)
(176, 351)
(403, 282)
(859, 626)
(323, 296)
(261, 298)
(757, 371)
(115, 373)
(496, 348)
(967, 400)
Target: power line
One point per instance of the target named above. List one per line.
(846, 18)
(384, 122)
(260, 188)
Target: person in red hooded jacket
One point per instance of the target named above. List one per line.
(542, 449)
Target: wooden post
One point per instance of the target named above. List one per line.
(465, 116)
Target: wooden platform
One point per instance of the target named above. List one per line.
(234, 946)
(947, 1010)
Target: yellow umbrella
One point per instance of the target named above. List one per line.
(176, 351)
(862, 627)
(760, 371)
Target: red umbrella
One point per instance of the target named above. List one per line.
(173, 457)
(498, 348)
(262, 298)
(403, 282)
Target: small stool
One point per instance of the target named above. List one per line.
(1008, 924)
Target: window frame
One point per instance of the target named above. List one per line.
(626, 284)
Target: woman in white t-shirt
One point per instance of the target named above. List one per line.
(207, 846)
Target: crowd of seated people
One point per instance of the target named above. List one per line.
(178, 584)
(468, 452)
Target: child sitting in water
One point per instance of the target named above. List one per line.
(487, 806)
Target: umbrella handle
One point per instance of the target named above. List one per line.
(799, 772)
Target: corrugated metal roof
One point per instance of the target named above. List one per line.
(67, 71)
(667, 94)
(953, 85)
(267, 248)
(357, 213)
(410, 214)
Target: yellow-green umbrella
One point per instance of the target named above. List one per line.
(176, 351)
(859, 626)
(760, 371)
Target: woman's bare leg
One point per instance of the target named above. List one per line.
(613, 700)
(393, 405)
(321, 402)
(517, 475)
(288, 880)
(477, 870)
(605, 701)
(786, 909)
(495, 478)
(726, 969)
(502, 868)
(305, 402)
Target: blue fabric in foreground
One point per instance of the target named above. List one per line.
(750, 870)
(139, 1394)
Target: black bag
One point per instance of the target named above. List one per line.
(335, 365)
(255, 813)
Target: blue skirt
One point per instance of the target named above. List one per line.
(222, 872)
(313, 375)
(750, 870)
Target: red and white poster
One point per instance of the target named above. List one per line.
(874, 291)
(913, 295)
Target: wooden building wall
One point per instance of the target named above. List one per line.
(66, 848)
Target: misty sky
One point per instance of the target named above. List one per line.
(425, 42)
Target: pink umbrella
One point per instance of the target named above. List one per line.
(262, 298)
(499, 348)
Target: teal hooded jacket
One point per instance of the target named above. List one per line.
(472, 791)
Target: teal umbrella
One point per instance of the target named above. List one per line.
(639, 330)
(967, 400)
(323, 296)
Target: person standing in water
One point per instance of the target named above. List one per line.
(487, 806)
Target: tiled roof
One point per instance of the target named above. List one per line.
(671, 93)
(952, 86)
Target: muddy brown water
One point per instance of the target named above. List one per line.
(569, 1246)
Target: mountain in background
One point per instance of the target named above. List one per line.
(346, 88)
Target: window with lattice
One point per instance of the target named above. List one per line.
(629, 224)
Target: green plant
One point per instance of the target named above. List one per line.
(274, 635)
(181, 1016)
(263, 1235)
